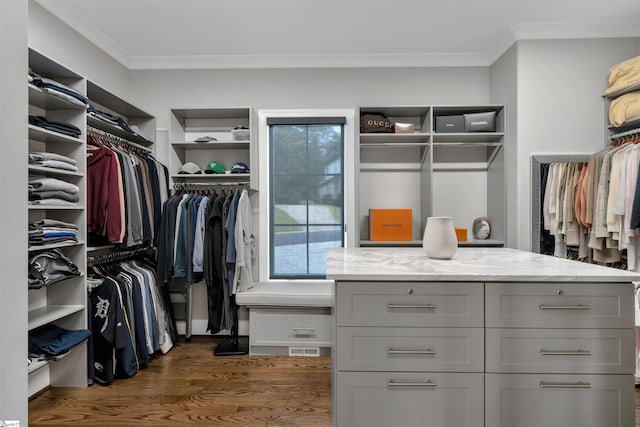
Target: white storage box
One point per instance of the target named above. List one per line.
(240, 134)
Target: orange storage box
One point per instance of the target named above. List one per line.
(387, 225)
(461, 234)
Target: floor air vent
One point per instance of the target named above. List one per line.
(304, 351)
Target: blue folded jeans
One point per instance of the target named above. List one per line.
(53, 340)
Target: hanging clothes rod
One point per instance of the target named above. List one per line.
(631, 132)
(199, 186)
(117, 139)
(118, 255)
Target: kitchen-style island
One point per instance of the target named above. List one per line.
(492, 337)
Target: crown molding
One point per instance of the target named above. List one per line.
(309, 61)
(576, 30)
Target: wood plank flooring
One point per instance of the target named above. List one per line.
(191, 386)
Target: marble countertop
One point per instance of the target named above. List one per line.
(469, 264)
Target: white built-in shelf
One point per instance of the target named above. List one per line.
(43, 315)
(207, 177)
(395, 112)
(141, 141)
(631, 124)
(43, 170)
(481, 243)
(45, 135)
(394, 138)
(633, 87)
(208, 113)
(417, 243)
(212, 145)
(390, 167)
(394, 243)
(460, 166)
(34, 366)
(41, 99)
(76, 207)
(468, 137)
(34, 248)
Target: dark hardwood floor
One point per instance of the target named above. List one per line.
(191, 386)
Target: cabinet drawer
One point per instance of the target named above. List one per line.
(284, 327)
(560, 305)
(384, 399)
(595, 351)
(532, 400)
(409, 304)
(411, 349)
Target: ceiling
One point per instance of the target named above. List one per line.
(163, 34)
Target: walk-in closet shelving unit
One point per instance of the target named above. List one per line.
(395, 170)
(435, 174)
(62, 303)
(187, 125)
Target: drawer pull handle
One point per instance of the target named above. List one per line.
(425, 352)
(306, 332)
(396, 306)
(393, 383)
(579, 384)
(564, 307)
(579, 352)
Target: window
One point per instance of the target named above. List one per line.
(306, 194)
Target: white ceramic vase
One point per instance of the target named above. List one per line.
(439, 240)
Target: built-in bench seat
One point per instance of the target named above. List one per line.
(289, 318)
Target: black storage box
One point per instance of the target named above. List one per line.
(480, 122)
(449, 124)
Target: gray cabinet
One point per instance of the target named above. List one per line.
(409, 399)
(278, 330)
(564, 347)
(409, 353)
(516, 400)
(421, 353)
(559, 305)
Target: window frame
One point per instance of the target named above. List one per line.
(349, 159)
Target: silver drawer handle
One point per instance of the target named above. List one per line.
(426, 352)
(564, 307)
(579, 352)
(579, 384)
(393, 383)
(304, 331)
(427, 306)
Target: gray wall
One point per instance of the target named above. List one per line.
(560, 109)
(13, 138)
(307, 88)
(504, 90)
